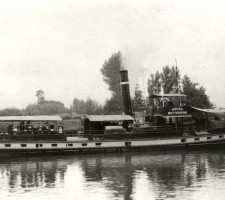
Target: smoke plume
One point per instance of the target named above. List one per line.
(132, 62)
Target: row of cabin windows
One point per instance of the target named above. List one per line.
(197, 139)
(24, 145)
(68, 145)
(53, 145)
(99, 144)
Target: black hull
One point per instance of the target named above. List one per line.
(219, 145)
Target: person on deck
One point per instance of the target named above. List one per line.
(60, 128)
(29, 128)
(39, 130)
(10, 129)
(15, 130)
(170, 102)
(21, 127)
(46, 129)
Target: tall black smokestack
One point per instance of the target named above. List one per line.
(126, 92)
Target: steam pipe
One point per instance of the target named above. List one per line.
(124, 81)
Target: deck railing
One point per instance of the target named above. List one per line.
(136, 132)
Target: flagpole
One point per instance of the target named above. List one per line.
(178, 85)
(162, 92)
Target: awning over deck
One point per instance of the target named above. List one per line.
(167, 95)
(175, 116)
(221, 111)
(109, 118)
(30, 118)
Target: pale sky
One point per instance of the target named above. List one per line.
(60, 46)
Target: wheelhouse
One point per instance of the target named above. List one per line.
(169, 110)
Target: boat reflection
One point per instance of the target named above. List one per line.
(116, 176)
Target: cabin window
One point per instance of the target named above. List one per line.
(54, 145)
(7, 145)
(183, 140)
(23, 145)
(221, 136)
(197, 139)
(98, 144)
(84, 144)
(70, 145)
(37, 145)
(127, 144)
(209, 138)
(40, 145)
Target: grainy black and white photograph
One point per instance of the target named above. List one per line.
(112, 100)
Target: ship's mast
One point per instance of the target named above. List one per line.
(178, 84)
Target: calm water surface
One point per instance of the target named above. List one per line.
(159, 175)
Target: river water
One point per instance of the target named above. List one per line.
(145, 175)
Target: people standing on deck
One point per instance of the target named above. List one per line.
(170, 102)
(46, 129)
(22, 127)
(39, 130)
(10, 129)
(15, 130)
(60, 128)
(29, 128)
(51, 128)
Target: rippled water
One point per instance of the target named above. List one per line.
(158, 175)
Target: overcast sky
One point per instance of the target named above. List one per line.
(59, 46)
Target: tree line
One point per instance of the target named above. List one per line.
(169, 80)
(41, 107)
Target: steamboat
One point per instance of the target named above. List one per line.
(170, 126)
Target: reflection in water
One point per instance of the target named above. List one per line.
(165, 175)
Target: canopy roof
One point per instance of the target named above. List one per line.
(210, 110)
(175, 116)
(31, 118)
(167, 95)
(109, 118)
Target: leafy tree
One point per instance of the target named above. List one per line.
(11, 112)
(196, 94)
(93, 107)
(40, 96)
(87, 107)
(113, 105)
(111, 75)
(138, 100)
(52, 107)
(154, 85)
(169, 78)
(33, 109)
(48, 108)
(42, 107)
(79, 106)
(45, 107)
